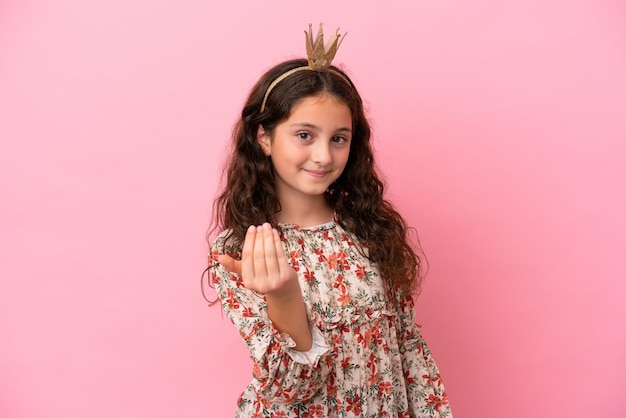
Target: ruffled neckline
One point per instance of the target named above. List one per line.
(314, 228)
(325, 226)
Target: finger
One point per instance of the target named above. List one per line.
(271, 258)
(278, 244)
(288, 275)
(281, 257)
(229, 263)
(260, 269)
(247, 253)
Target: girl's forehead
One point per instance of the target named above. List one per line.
(322, 108)
(318, 99)
(325, 95)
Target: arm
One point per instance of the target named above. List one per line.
(265, 270)
(274, 324)
(289, 316)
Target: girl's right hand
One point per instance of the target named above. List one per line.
(263, 267)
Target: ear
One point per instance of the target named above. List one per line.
(264, 141)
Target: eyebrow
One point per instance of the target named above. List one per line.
(315, 127)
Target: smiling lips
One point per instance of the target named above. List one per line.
(317, 174)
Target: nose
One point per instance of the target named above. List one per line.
(320, 153)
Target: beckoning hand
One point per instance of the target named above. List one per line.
(263, 266)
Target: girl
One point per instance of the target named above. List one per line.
(314, 267)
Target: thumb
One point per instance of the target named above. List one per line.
(229, 263)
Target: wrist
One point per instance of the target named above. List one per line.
(284, 301)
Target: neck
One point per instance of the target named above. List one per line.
(305, 213)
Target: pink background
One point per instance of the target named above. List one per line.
(500, 126)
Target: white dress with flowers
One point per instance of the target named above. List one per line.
(368, 357)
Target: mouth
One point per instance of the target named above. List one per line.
(317, 174)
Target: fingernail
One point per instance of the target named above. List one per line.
(251, 228)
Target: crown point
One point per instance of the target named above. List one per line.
(319, 55)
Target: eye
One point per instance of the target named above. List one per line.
(339, 139)
(305, 136)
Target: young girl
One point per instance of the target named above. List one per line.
(314, 267)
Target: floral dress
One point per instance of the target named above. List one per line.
(368, 358)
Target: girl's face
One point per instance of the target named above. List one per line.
(310, 149)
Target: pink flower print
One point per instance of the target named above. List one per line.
(347, 240)
(231, 299)
(238, 280)
(407, 377)
(332, 262)
(437, 402)
(344, 298)
(360, 271)
(373, 379)
(342, 260)
(384, 388)
(294, 255)
(320, 255)
(354, 404)
(316, 411)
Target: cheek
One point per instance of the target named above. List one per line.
(343, 157)
(288, 159)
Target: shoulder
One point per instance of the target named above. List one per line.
(351, 239)
(226, 243)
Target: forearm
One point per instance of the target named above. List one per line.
(280, 374)
(279, 377)
(289, 316)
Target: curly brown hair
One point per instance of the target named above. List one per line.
(249, 197)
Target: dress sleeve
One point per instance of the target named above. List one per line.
(280, 372)
(421, 374)
(408, 329)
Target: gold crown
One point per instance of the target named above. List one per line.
(319, 55)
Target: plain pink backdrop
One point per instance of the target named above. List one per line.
(501, 129)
